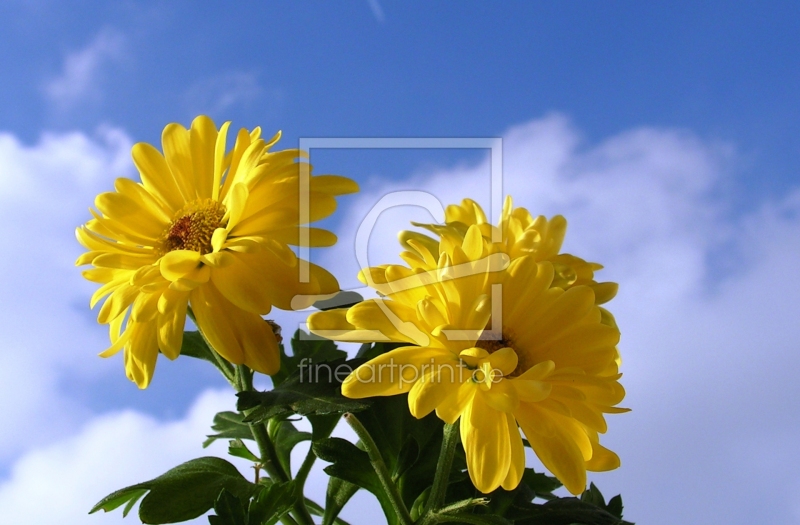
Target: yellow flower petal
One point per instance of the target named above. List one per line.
(553, 445)
(484, 434)
(239, 336)
(517, 467)
(391, 373)
(172, 308)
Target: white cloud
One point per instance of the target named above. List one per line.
(45, 190)
(64, 480)
(709, 359)
(82, 71)
(61, 482)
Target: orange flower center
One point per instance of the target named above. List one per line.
(506, 341)
(193, 227)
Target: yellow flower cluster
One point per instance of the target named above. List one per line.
(498, 328)
(500, 335)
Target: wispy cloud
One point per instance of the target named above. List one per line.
(221, 92)
(82, 71)
(377, 11)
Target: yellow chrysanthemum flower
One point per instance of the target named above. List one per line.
(519, 234)
(552, 368)
(210, 230)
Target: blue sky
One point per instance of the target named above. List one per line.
(668, 133)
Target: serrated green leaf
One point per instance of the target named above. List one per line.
(230, 510)
(615, 506)
(323, 425)
(565, 511)
(132, 502)
(307, 350)
(594, 496)
(351, 464)
(406, 457)
(194, 345)
(229, 425)
(472, 519)
(182, 493)
(237, 448)
(541, 484)
(338, 494)
(390, 423)
(129, 495)
(271, 503)
(305, 393)
(285, 437)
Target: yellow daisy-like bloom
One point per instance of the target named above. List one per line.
(552, 368)
(210, 230)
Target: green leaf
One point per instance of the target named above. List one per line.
(307, 351)
(129, 495)
(195, 346)
(541, 484)
(230, 510)
(614, 506)
(285, 436)
(323, 425)
(267, 507)
(594, 496)
(343, 299)
(271, 503)
(565, 511)
(352, 464)
(316, 391)
(406, 457)
(391, 425)
(182, 493)
(339, 493)
(229, 425)
(472, 519)
(240, 450)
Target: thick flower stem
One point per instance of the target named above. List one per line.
(443, 466)
(381, 470)
(266, 448)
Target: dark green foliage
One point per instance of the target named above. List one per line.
(309, 383)
(315, 350)
(285, 437)
(236, 447)
(338, 494)
(194, 345)
(305, 393)
(182, 493)
(343, 299)
(269, 504)
(229, 425)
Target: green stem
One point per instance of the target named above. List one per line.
(443, 466)
(305, 467)
(266, 448)
(380, 469)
